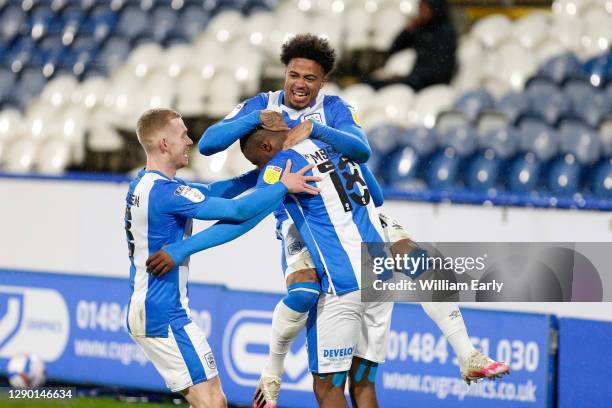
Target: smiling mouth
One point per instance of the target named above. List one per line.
(299, 95)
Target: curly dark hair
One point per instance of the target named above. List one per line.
(312, 47)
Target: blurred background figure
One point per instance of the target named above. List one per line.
(434, 39)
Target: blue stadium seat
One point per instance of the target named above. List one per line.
(72, 16)
(192, 21)
(31, 82)
(601, 183)
(513, 105)
(524, 174)
(472, 103)
(133, 22)
(12, 21)
(7, 83)
(253, 6)
(52, 50)
(163, 21)
(560, 68)
(410, 159)
(564, 176)
(102, 22)
(422, 139)
(538, 138)
(81, 54)
(463, 140)
(547, 101)
(443, 170)
(42, 21)
(23, 52)
(383, 139)
(598, 70)
(483, 171)
(113, 53)
(402, 165)
(579, 141)
(504, 142)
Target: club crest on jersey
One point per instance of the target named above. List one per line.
(313, 116)
(210, 361)
(235, 111)
(189, 193)
(355, 116)
(272, 174)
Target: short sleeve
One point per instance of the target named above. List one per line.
(258, 102)
(176, 198)
(339, 112)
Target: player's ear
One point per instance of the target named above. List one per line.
(163, 144)
(266, 146)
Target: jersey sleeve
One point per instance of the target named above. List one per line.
(273, 170)
(339, 113)
(238, 123)
(176, 198)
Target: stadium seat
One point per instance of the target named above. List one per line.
(523, 174)
(564, 176)
(537, 137)
(144, 59)
(257, 28)
(395, 102)
(598, 70)
(383, 139)
(191, 93)
(560, 68)
(388, 21)
(104, 139)
(579, 141)
(357, 36)
(482, 171)
(192, 21)
(133, 22)
(549, 48)
(12, 21)
(246, 65)
(359, 96)
(605, 132)
(429, 102)
(513, 65)
(451, 119)
(492, 30)
(504, 142)
(20, 156)
(114, 52)
(513, 105)
(472, 103)
(462, 140)
(401, 166)
(163, 20)
(531, 29)
(597, 33)
(491, 120)
(41, 22)
(11, 125)
(224, 95)
(422, 139)
(31, 82)
(226, 26)
(102, 21)
(547, 101)
(602, 180)
(443, 171)
(209, 57)
(91, 92)
(53, 157)
(58, 91)
(211, 167)
(7, 82)
(568, 30)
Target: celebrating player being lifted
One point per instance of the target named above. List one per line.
(159, 213)
(309, 60)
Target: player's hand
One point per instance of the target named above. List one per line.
(160, 263)
(297, 182)
(298, 134)
(271, 120)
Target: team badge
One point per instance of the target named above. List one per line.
(192, 194)
(272, 174)
(210, 360)
(235, 111)
(355, 116)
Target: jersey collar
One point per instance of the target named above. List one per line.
(295, 114)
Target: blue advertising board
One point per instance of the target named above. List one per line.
(584, 363)
(76, 324)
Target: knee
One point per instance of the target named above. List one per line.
(302, 296)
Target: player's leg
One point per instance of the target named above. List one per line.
(329, 389)
(362, 378)
(447, 316)
(370, 351)
(186, 363)
(290, 314)
(332, 333)
(206, 394)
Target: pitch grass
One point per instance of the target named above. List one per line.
(79, 402)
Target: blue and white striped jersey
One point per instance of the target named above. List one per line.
(334, 223)
(158, 212)
(327, 109)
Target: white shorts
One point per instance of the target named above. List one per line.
(183, 358)
(342, 327)
(295, 255)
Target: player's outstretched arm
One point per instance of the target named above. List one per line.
(164, 260)
(222, 135)
(373, 186)
(229, 188)
(242, 208)
(349, 139)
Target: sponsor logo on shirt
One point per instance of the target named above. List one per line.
(272, 174)
(189, 193)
